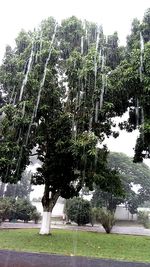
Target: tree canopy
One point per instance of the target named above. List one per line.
(53, 85)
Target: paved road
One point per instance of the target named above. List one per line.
(19, 259)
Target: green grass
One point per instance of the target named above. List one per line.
(122, 247)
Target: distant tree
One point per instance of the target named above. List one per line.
(114, 54)
(133, 203)
(7, 209)
(20, 190)
(106, 199)
(146, 204)
(146, 25)
(131, 175)
(133, 38)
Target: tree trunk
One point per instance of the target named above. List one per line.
(48, 202)
(2, 189)
(46, 223)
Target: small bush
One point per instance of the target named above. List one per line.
(35, 216)
(7, 209)
(24, 210)
(106, 218)
(78, 210)
(143, 218)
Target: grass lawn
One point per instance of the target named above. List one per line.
(123, 247)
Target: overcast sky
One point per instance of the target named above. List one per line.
(114, 15)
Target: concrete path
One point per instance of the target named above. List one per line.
(22, 259)
(127, 230)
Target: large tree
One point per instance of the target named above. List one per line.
(59, 94)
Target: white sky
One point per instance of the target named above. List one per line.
(114, 15)
(125, 142)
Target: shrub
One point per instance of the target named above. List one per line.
(78, 210)
(24, 210)
(35, 216)
(20, 209)
(7, 209)
(143, 218)
(106, 218)
(12, 211)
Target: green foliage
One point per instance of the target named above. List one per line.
(146, 25)
(70, 35)
(133, 203)
(131, 174)
(133, 39)
(24, 210)
(35, 216)
(61, 127)
(78, 210)
(11, 209)
(113, 191)
(106, 199)
(7, 209)
(138, 173)
(143, 218)
(113, 51)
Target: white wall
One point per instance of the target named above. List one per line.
(57, 210)
(122, 213)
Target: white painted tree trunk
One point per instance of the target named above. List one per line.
(46, 223)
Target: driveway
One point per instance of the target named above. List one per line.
(22, 259)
